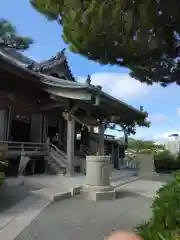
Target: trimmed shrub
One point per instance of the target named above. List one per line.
(164, 161)
(177, 162)
(2, 178)
(3, 163)
(165, 221)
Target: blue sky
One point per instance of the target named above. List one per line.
(162, 104)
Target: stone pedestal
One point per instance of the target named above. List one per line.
(97, 185)
(146, 165)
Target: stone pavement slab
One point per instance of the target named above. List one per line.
(147, 188)
(78, 219)
(65, 183)
(51, 194)
(15, 219)
(121, 182)
(11, 194)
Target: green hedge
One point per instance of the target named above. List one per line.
(166, 162)
(3, 160)
(165, 221)
(2, 178)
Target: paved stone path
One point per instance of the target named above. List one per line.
(146, 188)
(78, 219)
(15, 219)
(65, 183)
(11, 195)
(75, 217)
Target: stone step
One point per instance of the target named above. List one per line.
(52, 194)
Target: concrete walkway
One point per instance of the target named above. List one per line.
(77, 219)
(14, 220)
(122, 213)
(146, 188)
(63, 183)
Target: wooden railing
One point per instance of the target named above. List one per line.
(131, 164)
(24, 148)
(58, 155)
(85, 150)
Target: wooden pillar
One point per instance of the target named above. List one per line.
(101, 139)
(70, 144)
(85, 136)
(9, 119)
(61, 131)
(118, 158)
(44, 129)
(3, 124)
(36, 127)
(113, 154)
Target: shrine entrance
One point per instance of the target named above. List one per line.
(20, 128)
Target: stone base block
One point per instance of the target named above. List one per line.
(99, 196)
(51, 194)
(98, 193)
(76, 190)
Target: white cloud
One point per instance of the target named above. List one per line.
(158, 118)
(161, 138)
(119, 85)
(178, 111)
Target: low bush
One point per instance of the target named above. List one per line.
(177, 162)
(3, 161)
(165, 221)
(164, 161)
(2, 178)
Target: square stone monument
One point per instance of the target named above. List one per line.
(146, 165)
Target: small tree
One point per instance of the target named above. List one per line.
(140, 145)
(143, 36)
(3, 163)
(10, 39)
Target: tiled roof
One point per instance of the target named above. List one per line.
(53, 82)
(35, 66)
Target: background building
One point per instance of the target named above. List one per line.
(173, 143)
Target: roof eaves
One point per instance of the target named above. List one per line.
(106, 95)
(16, 63)
(98, 91)
(61, 83)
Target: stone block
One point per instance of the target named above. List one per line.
(98, 196)
(76, 190)
(51, 194)
(61, 196)
(97, 193)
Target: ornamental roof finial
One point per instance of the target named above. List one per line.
(99, 87)
(61, 54)
(141, 108)
(88, 80)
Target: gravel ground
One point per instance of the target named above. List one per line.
(79, 219)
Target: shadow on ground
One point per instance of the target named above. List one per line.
(11, 195)
(125, 194)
